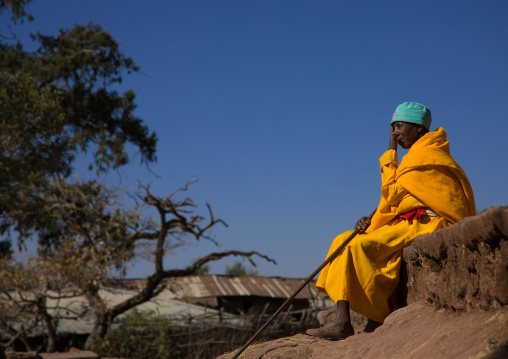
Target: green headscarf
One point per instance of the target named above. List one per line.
(413, 112)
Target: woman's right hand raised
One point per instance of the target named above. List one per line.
(393, 139)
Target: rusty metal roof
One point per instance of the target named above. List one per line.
(206, 286)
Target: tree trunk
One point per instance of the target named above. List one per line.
(48, 320)
(50, 348)
(101, 326)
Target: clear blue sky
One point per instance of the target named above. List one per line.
(282, 108)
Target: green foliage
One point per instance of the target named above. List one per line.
(142, 335)
(56, 103)
(5, 250)
(237, 268)
(16, 8)
(33, 140)
(84, 63)
(34, 145)
(205, 269)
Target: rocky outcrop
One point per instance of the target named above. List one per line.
(417, 331)
(453, 302)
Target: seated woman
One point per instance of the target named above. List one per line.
(427, 192)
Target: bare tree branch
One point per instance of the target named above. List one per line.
(153, 284)
(216, 256)
(92, 234)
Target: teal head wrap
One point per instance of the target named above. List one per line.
(413, 112)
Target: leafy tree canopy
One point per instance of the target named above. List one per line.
(56, 103)
(83, 63)
(16, 8)
(237, 268)
(33, 145)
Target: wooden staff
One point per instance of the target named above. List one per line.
(307, 281)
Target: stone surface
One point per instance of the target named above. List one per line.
(72, 354)
(417, 331)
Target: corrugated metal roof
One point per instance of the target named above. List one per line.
(203, 286)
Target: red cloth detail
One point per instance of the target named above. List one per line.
(412, 215)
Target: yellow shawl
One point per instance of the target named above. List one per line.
(431, 175)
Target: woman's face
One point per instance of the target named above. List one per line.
(407, 133)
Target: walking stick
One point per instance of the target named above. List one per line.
(307, 281)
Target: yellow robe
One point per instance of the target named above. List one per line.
(366, 273)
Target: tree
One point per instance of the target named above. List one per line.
(16, 8)
(30, 297)
(205, 269)
(66, 89)
(56, 104)
(237, 268)
(33, 145)
(93, 239)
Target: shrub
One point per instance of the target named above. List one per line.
(141, 335)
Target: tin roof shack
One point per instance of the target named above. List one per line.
(243, 295)
(210, 310)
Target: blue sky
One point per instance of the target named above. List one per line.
(282, 108)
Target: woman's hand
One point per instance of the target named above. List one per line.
(393, 139)
(363, 223)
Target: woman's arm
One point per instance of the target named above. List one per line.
(390, 189)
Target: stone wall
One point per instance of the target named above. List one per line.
(463, 267)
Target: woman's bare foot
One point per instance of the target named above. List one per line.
(333, 331)
(340, 328)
